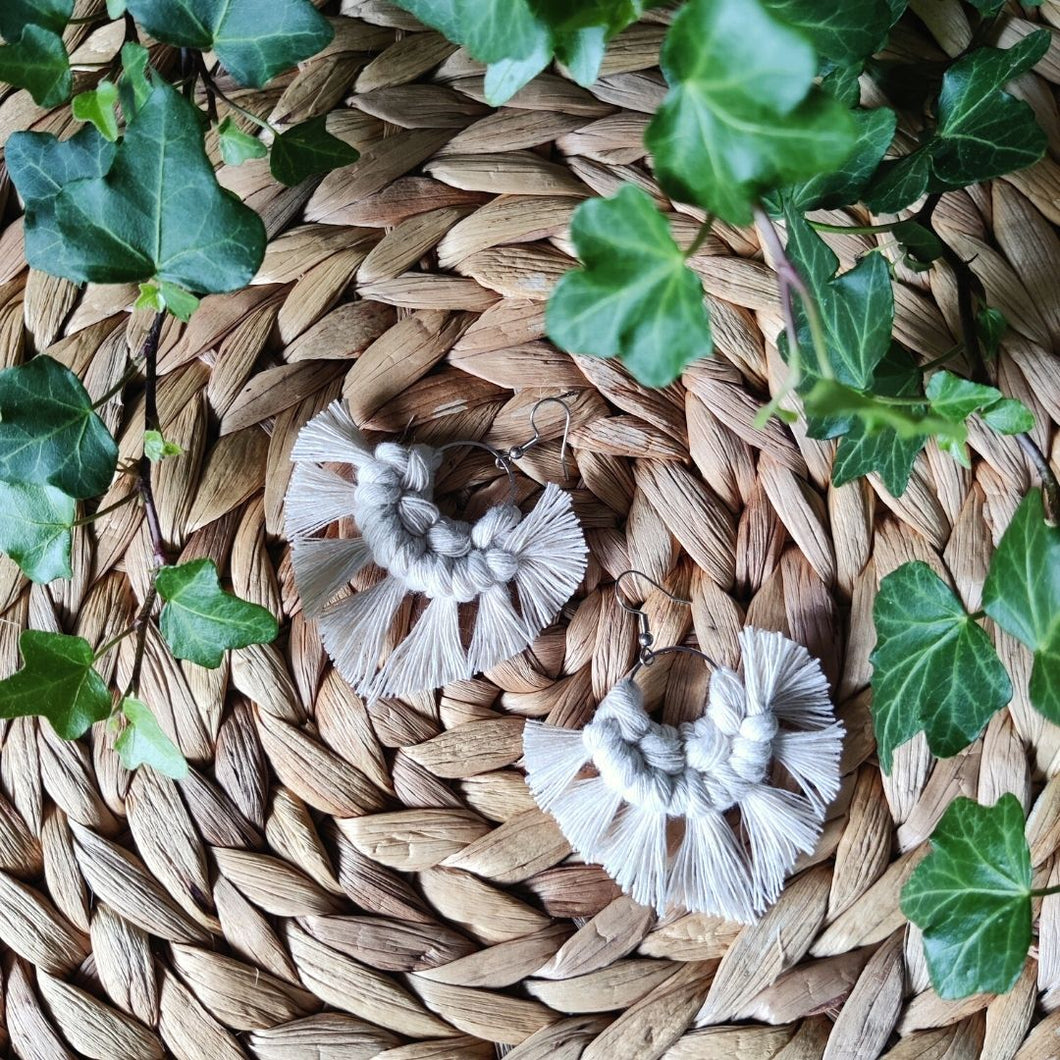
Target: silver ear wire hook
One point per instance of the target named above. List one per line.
(517, 452)
(646, 638)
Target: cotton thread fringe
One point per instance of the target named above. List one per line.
(540, 556)
(701, 773)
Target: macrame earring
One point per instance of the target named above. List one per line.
(388, 493)
(694, 817)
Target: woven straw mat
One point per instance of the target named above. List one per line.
(342, 882)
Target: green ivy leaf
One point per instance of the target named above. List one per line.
(16, 15)
(971, 897)
(842, 32)
(874, 130)
(49, 433)
(35, 524)
(142, 742)
(237, 146)
(742, 114)
(133, 85)
(307, 149)
(158, 212)
(115, 9)
(634, 297)
(990, 325)
(56, 682)
(200, 621)
(919, 243)
(1022, 595)
(37, 61)
(99, 108)
(982, 133)
(157, 448)
(161, 296)
(956, 399)
(856, 309)
(40, 165)
(884, 451)
(934, 668)
(252, 41)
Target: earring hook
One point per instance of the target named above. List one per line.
(646, 638)
(517, 452)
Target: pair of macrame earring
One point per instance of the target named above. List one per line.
(694, 817)
(466, 571)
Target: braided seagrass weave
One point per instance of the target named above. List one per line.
(375, 879)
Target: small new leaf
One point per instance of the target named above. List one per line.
(983, 132)
(57, 682)
(254, 41)
(634, 297)
(157, 448)
(98, 107)
(934, 668)
(1022, 595)
(157, 214)
(956, 399)
(35, 524)
(971, 897)
(200, 621)
(742, 114)
(133, 85)
(49, 433)
(142, 742)
(37, 61)
(306, 150)
(237, 146)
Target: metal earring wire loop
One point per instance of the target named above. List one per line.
(646, 638)
(517, 452)
(499, 458)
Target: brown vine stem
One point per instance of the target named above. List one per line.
(149, 353)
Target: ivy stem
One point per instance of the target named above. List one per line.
(112, 642)
(1050, 486)
(149, 352)
(121, 384)
(856, 230)
(701, 236)
(1044, 892)
(86, 519)
(140, 625)
(213, 90)
(791, 284)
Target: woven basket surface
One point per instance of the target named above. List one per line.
(347, 881)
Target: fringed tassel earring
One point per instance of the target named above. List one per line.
(615, 786)
(514, 572)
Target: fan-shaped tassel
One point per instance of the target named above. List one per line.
(430, 656)
(553, 757)
(634, 853)
(324, 566)
(499, 631)
(586, 812)
(710, 870)
(315, 498)
(779, 827)
(354, 630)
(782, 676)
(332, 437)
(811, 756)
(551, 551)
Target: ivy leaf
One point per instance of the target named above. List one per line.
(956, 399)
(885, 451)
(157, 448)
(252, 41)
(856, 309)
(237, 146)
(157, 214)
(841, 32)
(982, 133)
(142, 742)
(990, 325)
(49, 433)
(161, 296)
(97, 107)
(200, 621)
(920, 244)
(16, 15)
(115, 9)
(133, 85)
(874, 130)
(971, 897)
(1022, 595)
(634, 297)
(35, 524)
(934, 668)
(307, 149)
(742, 114)
(57, 682)
(37, 61)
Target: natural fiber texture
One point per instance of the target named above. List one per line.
(377, 881)
(648, 775)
